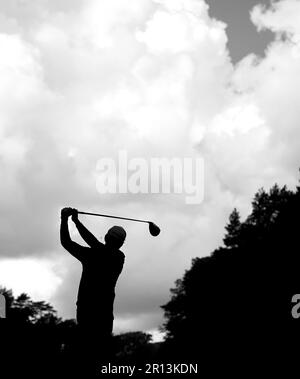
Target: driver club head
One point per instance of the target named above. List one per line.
(153, 229)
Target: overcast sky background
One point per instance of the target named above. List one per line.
(81, 80)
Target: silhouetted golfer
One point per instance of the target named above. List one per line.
(102, 265)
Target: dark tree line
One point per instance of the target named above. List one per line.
(231, 311)
(38, 343)
(32, 336)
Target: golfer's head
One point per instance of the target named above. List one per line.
(115, 237)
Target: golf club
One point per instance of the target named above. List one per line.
(153, 229)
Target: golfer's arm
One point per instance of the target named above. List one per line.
(72, 247)
(88, 237)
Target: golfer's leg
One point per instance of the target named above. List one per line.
(103, 339)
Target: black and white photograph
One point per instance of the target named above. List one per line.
(149, 188)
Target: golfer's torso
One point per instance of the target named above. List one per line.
(100, 272)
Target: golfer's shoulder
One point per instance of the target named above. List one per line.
(121, 255)
(99, 246)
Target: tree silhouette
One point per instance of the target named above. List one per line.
(23, 309)
(233, 229)
(133, 346)
(44, 345)
(32, 335)
(234, 307)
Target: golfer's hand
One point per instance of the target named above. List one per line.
(74, 215)
(66, 212)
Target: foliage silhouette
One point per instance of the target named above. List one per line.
(44, 344)
(233, 309)
(133, 346)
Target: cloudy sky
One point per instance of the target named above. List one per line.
(82, 80)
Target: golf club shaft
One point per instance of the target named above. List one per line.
(122, 218)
